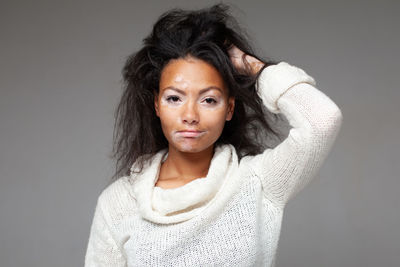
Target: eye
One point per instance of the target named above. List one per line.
(172, 98)
(210, 100)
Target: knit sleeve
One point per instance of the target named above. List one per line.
(315, 120)
(102, 250)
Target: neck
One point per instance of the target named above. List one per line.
(187, 166)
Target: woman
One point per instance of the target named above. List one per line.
(196, 187)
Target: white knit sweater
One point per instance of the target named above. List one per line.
(233, 216)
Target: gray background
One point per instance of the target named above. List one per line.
(60, 82)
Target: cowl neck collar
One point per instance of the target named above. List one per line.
(183, 203)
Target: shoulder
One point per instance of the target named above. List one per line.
(117, 201)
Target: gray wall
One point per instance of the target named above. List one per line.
(60, 82)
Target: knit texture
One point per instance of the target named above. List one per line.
(231, 217)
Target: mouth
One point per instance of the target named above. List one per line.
(190, 133)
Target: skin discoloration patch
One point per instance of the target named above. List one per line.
(179, 78)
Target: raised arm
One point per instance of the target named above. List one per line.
(315, 120)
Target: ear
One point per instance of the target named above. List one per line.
(231, 108)
(156, 104)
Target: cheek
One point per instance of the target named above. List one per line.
(214, 117)
(169, 119)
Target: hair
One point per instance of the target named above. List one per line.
(205, 34)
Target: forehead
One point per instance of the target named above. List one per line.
(190, 73)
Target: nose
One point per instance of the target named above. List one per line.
(190, 114)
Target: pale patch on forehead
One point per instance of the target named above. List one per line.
(182, 83)
(179, 78)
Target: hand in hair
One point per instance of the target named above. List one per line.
(243, 62)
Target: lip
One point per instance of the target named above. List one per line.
(190, 133)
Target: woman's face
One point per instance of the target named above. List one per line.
(192, 97)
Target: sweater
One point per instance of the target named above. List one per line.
(233, 216)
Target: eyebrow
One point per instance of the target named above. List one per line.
(201, 91)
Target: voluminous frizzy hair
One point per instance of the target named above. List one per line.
(205, 34)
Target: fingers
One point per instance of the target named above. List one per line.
(236, 56)
(235, 52)
(243, 62)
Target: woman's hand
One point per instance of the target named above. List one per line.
(244, 63)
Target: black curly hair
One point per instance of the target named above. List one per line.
(206, 34)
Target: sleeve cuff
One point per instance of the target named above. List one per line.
(275, 80)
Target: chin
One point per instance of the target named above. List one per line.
(191, 148)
